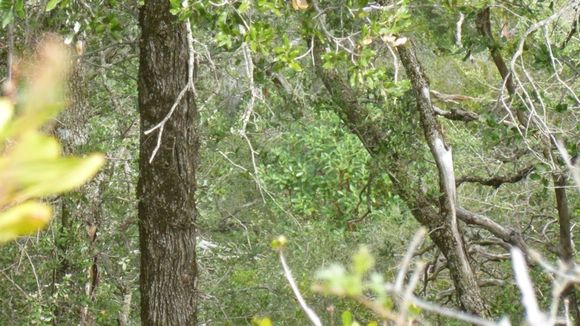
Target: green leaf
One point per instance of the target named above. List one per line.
(26, 218)
(346, 318)
(295, 65)
(175, 4)
(362, 261)
(244, 6)
(414, 310)
(48, 177)
(19, 8)
(562, 107)
(7, 18)
(6, 112)
(279, 242)
(52, 4)
(332, 278)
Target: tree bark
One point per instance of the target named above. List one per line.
(166, 187)
(72, 131)
(376, 141)
(566, 249)
(447, 236)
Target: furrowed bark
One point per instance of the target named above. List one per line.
(166, 187)
(72, 131)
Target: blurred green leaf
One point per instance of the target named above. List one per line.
(261, 322)
(52, 4)
(6, 111)
(362, 261)
(23, 219)
(346, 318)
(37, 178)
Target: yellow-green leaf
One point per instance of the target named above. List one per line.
(346, 318)
(50, 177)
(266, 322)
(6, 111)
(262, 322)
(33, 146)
(23, 219)
(362, 261)
(414, 310)
(52, 4)
(32, 120)
(279, 243)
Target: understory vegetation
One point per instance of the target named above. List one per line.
(410, 161)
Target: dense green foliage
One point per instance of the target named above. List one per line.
(279, 157)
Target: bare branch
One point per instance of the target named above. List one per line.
(309, 312)
(458, 30)
(508, 235)
(457, 114)
(450, 98)
(497, 181)
(415, 243)
(534, 315)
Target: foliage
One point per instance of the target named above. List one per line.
(31, 163)
(278, 158)
(324, 172)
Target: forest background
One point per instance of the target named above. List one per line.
(345, 126)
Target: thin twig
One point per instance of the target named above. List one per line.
(415, 243)
(534, 315)
(309, 312)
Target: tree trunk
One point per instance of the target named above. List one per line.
(72, 131)
(566, 249)
(442, 224)
(446, 233)
(166, 187)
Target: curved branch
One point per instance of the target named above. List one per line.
(508, 235)
(457, 114)
(497, 181)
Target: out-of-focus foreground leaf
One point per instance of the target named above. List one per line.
(31, 165)
(23, 219)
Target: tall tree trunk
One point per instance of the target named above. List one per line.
(72, 132)
(166, 187)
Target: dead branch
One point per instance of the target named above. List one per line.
(457, 114)
(506, 234)
(497, 181)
